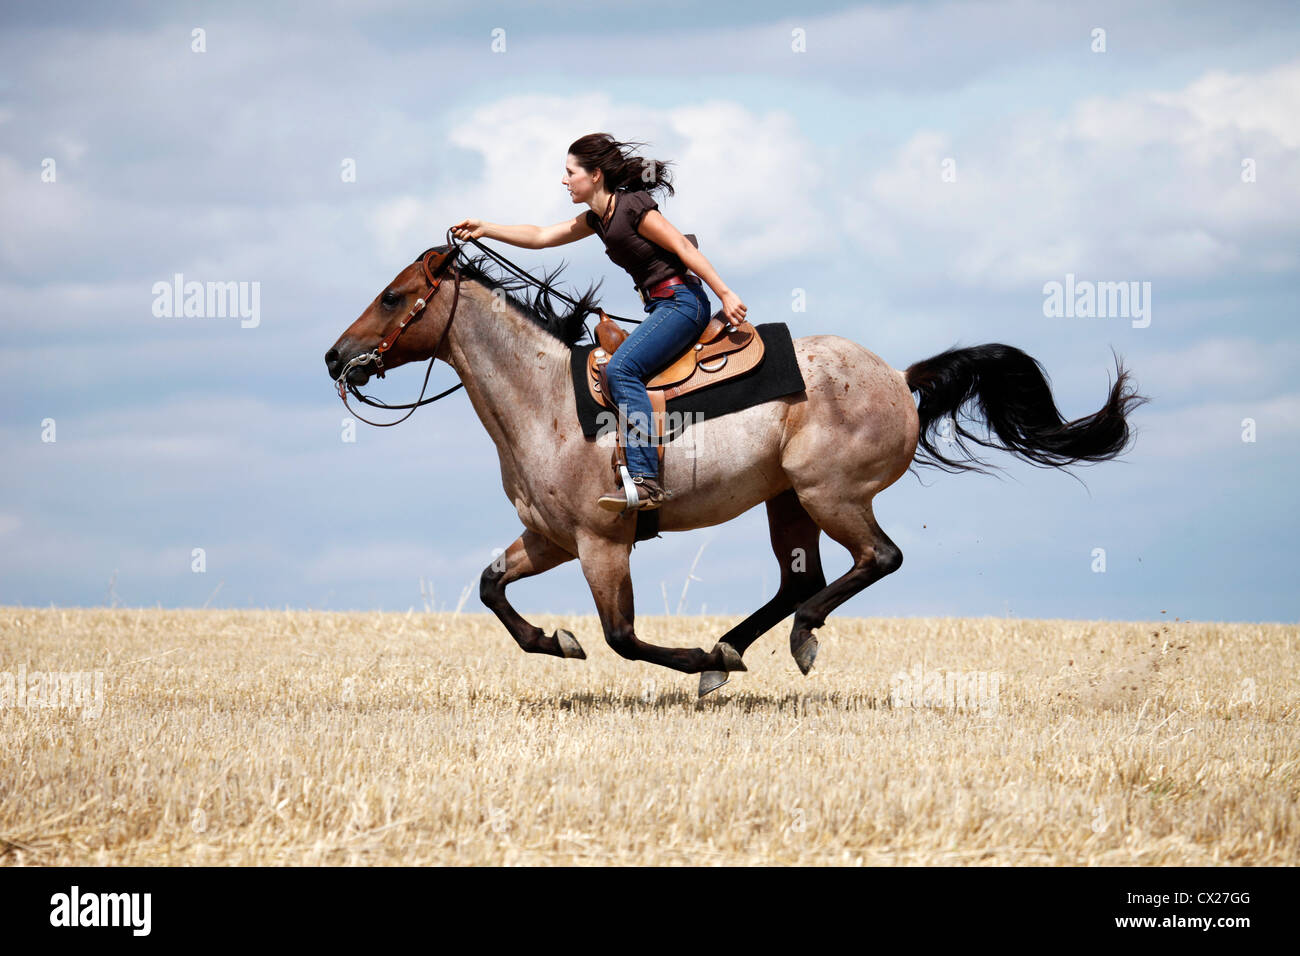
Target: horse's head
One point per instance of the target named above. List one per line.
(406, 322)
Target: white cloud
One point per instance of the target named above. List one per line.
(728, 163)
(1142, 186)
(1215, 365)
(1267, 103)
(1213, 430)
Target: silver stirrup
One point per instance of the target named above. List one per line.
(629, 487)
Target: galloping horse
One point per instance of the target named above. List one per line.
(816, 459)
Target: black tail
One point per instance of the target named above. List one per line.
(1012, 395)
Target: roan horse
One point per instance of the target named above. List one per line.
(816, 459)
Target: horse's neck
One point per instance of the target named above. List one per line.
(514, 371)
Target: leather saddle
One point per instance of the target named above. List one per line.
(722, 352)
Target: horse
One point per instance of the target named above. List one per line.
(816, 459)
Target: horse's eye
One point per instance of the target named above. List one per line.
(389, 298)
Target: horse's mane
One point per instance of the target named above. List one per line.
(568, 327)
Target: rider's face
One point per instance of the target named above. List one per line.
(578, 181)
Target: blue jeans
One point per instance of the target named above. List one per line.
(672, 325)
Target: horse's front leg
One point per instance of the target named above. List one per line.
(529, 554)
(605, 564)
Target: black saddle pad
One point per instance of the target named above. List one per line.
(774, 377)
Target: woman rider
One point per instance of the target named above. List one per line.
(616, 186)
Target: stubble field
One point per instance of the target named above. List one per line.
(264, 737)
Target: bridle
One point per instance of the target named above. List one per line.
(433, 264)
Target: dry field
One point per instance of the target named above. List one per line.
(266, 737)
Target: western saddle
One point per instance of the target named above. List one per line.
(723, 351)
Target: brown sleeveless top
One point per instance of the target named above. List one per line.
(647, 262)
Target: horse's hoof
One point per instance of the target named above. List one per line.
(711, 681)
(806, 654)
(730, 658)
(569, 646)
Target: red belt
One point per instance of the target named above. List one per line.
(664, 289)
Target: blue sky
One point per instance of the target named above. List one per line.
(818, 170)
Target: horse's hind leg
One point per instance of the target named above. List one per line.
(529, 554)
(874, 556)
(794, 542)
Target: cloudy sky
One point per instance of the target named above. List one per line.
(922, 170)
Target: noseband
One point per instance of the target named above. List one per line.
(433, 265)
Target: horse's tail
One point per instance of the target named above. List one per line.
(1011, 395)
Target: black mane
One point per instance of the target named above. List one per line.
(568, 327)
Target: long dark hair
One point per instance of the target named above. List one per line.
(622, 168)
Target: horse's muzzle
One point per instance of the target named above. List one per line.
(335, 363)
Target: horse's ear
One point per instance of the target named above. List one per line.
(691, 237)
(435, 262)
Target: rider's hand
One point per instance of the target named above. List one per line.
(733, 308)
(469, 229)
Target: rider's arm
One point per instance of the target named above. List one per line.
(571, 230)
(663, 233)
(539, 237)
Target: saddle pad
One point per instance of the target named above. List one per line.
(774, 377)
